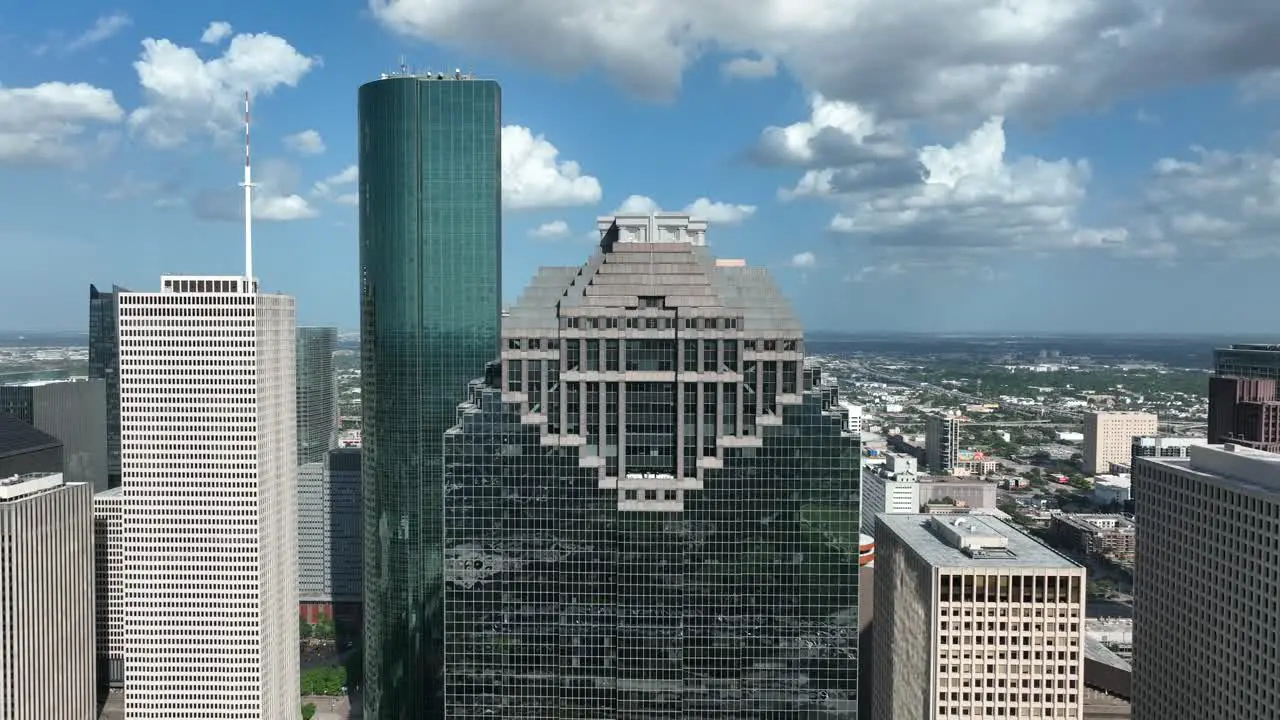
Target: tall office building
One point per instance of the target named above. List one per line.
(24, 449)
(104, 364)
(317, 394)
(74, 412)
(1244, 403)
(651, 507)
(329, 536)
(1205, 585)
(976, 619)
(941, 443)
(1108, 438)
(46, 599)
(208, 463)
(431, 288)
(108, 564)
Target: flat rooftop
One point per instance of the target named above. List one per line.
(17, 487)
(1229, 466)
(1022, 551)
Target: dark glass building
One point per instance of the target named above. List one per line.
(104, 364)
(25, 449)
(74, 412)
(430, 262)
(317, 393)
(651, 506)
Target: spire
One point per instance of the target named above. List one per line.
(248, 203)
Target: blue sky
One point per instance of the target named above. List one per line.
(924, 165)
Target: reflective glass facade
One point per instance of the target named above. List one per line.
(104, 364)
(651, 507)
(430, 261)
(317, 395)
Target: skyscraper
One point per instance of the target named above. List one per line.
(317, 393)
(1205, 585)
(73, 411)
(46, 598)
(1244, 403)
(104, 364)
(941, 443)
(208, 463)
(651, 506)
(430, 264)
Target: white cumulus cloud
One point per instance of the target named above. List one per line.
(551, 230)
(931, 59)
(718, 213)
(187, 96)
(972, 196)
(307, 142)
(804, 260)
(103, 28)
(275, 196)
(40, 125)
(217, 31)
(534, 176)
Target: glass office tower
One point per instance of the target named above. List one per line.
(317, 394)
(104, 364)
(430, 263)
(651, 506)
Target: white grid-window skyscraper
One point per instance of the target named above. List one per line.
(208, 466)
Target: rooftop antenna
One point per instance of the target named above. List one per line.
(404, 65)
(248, 203)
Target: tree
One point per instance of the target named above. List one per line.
(308, 711)
(304, 628)
(324, 681)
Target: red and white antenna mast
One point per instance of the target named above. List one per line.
(248, 202)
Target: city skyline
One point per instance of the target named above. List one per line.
(1086, 166)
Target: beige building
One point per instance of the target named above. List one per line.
(108, 561)
(1207, 567)
(46, 599)
(1108, 437)
(974, 619)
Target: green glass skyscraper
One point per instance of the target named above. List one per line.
(430, 264)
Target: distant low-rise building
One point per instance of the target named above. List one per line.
(904, 491)
(1112, 489)
(1109, 536)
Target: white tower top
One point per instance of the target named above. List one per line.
(248, 201)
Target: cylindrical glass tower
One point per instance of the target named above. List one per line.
(430, 276)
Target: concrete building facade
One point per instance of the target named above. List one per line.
(208, 464)
(46, 599)
(108, 571)
(73, 411)
(974, 618)
(941, 443)
(1108, 437)
(1207, 570)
